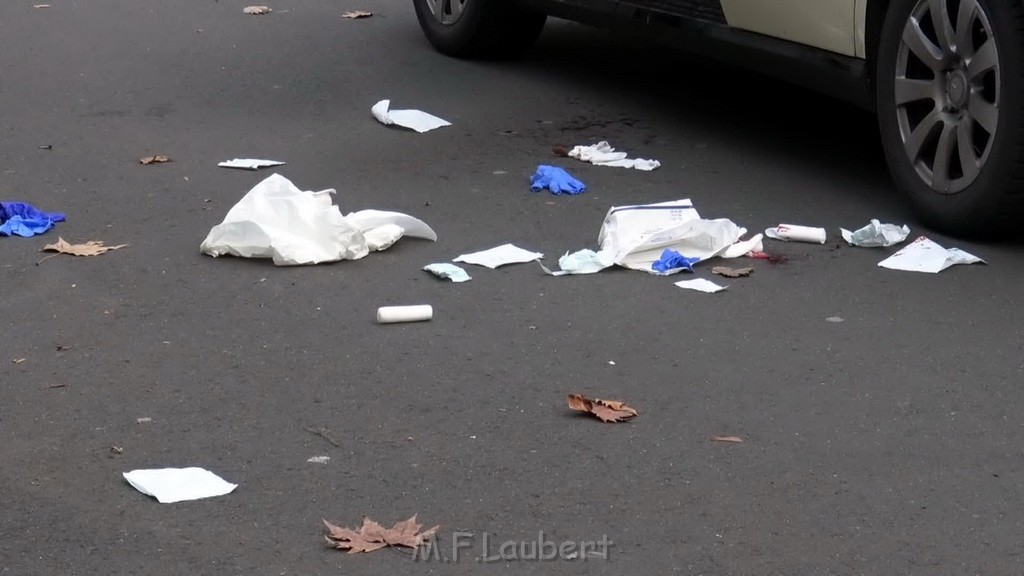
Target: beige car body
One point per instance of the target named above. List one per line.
(834, 25)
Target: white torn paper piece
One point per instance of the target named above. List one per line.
(638, 235)
(794, 233)
(744, 247)
(582, 262)
(450, 271)
(924, 255)
(876, 234)
(414, 119)
(294, 227)
(170, 485)
(701, 285)
(249, 163)
(602, 154)
(318, 459)
(499, 256)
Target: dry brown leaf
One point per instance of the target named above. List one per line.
(256, 10)
(357, 14)
(733, 439)
(158, 159)
(605, 410)
(731, 272)
(17, 361)
(90, 248)
(372, 536)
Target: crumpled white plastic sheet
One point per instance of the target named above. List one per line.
(277, 220)
(637, 235)
(602, 154)
(415, 119)
(876, 235)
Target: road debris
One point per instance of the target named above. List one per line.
(158, 159)
(143, 420)
(581, 262)
(372, 536)
(318, 459)
(257, 10)
(249, 163)
(117, 450)
(17, 360)
(323, 432)
(355, 14)
(732, 272)
(701, 285)
(795, 233)
(397, 314)
(876, 234)
(169, 485)
(449, 271)
(293, 227)
(557, 180)
(90, 248)
(834, 319)
(732, 439)
(414, 119)
(604, 410)
(602, 154)
(499, 256)
(924, 255)
(25, 220)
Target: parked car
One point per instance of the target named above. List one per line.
(944, 77)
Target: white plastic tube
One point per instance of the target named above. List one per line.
(794, 233)
(393, 314)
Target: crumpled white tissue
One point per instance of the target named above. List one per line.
(294, 227)
(582, 262)
(414, 119)
(602, 154)
(876, 235)
(450, 271)
(499, 256)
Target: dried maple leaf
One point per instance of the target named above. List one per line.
(605, 410)
(256, 10)
(733, 439)
(372, 536)
(731, 272)
(357, 14)
(159, 159)
(90, 248)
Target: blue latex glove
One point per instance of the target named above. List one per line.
(670, 260)
(20, 219)
(555, 179)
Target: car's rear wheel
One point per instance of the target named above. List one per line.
(478, 28)
(950, 96)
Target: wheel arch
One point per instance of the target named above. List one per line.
(873, 20)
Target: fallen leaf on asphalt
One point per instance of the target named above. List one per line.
(17, 361)
(256, 10)
(733, 439)
(731, 272)
(605, 410)
(90, 248)
(559, 150)
(372, 536)
(159, 159)
(357, 14)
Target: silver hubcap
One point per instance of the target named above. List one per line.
(447, 12)
(947, 92)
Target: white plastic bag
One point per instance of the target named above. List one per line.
(277, 220)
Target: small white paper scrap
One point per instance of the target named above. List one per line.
(249, 163)
(450, 271)
(169, 485)
(701, 285)
(319, 459)
(924, 255)
(414, 119)
(499, 256)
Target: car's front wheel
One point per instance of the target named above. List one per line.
(478, 28)
(950, 98)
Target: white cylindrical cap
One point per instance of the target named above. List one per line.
(802, 233)
(393, 314)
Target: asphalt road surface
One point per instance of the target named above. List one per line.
(888, 443)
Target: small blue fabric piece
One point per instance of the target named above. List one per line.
(21, 219)
(670, 260)
(555, 179)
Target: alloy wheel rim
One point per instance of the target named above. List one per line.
(947, 92)
(447, 12)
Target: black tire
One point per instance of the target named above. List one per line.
(483, 29)
(980, 188)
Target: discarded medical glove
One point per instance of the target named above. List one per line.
(555, 179)
(21, 219)
(670, 260)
